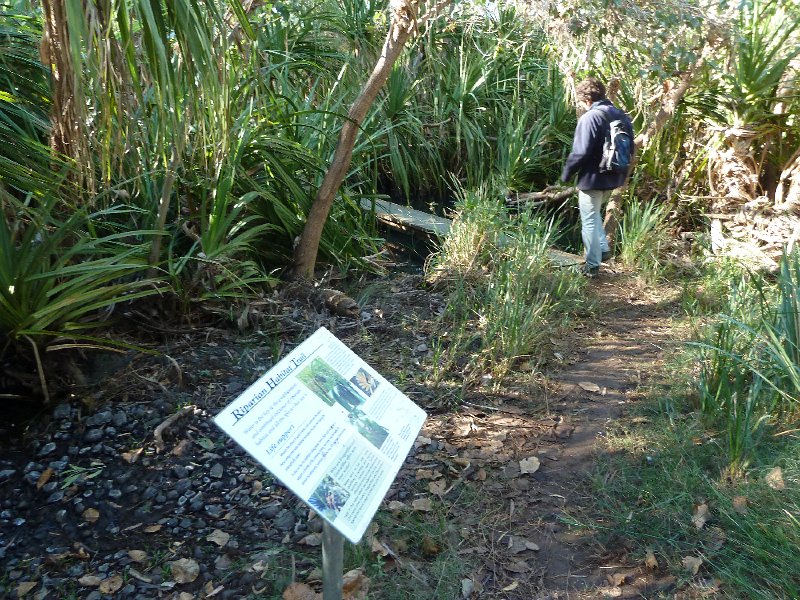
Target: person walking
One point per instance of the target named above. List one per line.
(594, 184)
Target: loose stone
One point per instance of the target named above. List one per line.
(93, 435)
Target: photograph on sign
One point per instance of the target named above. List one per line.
(329, 427)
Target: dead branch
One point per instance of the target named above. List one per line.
(551, 193)
(158, 434)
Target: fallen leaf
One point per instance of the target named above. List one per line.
(136, 575)
(774, 479)
(132, 456)
(531, 546)
(427, 474)
(422, 441)
(152, 528)
(184, 570)
(25, 587)
(300, 591)
(650, 560)
(397, 506)
(211, 591)
(205, 443)
(692, 564)
(219, 537)
(511, 587)
(312, 539)
(139, 556)
(701, 515)
(430, 547)
(377, 547)
(80, 551)
(257, 487)
(110, 585)
(185, 596)
(438, 487)
(90, 581)
(589, 386)
(182, 447)
(616, 579)
(355, 585)
(717, 539)
(740, 504)
(44, 478)
(518, 566)
(481, 475)
(529, 465)
(91, 515)
(422, 504)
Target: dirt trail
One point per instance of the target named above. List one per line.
(598, 384)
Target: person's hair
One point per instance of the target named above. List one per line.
(590, 90)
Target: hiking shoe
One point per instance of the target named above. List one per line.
(607, 255)
(588, 271)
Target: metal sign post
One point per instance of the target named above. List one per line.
(332, 562)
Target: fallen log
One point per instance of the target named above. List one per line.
(551, 193)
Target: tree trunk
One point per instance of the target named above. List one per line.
(402, 26)
(55, 54)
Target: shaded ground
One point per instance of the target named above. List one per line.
(93, 508)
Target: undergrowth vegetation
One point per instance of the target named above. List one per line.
(720, 441)
(504, 295)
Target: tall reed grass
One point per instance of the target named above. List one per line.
(504, 294)
(749, 380)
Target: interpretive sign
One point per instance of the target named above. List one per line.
(333, 430)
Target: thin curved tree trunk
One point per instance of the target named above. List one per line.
(402, 26)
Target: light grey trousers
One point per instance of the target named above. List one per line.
(595, 242)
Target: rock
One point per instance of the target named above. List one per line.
(269, 511)
(58, 465)
(55, 497)
(62, 411)
(102, 418)
(284, 521)
(93, 435)
(214, 511)
(217, 471)
(7, 474)
(48, 448)
(119, 419)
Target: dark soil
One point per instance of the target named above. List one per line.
(91, 507)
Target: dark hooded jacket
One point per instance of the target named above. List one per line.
(587, 148)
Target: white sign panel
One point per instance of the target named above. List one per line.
(329, 427)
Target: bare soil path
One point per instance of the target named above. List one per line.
(604, 363)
